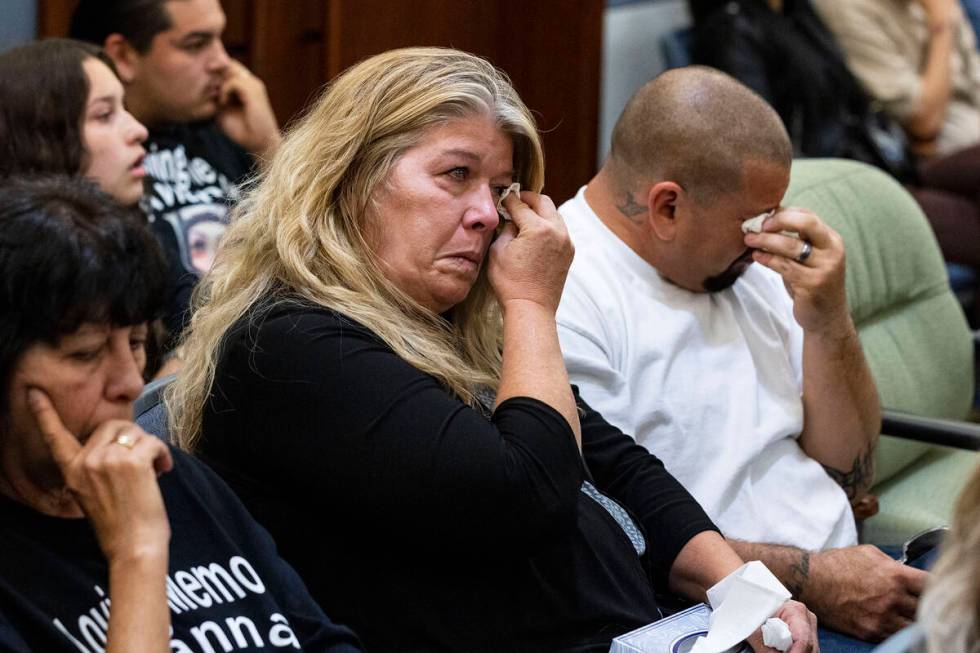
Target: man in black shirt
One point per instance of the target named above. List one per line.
(209, 120)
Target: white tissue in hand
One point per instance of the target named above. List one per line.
(740, 603)
(753, 573)
(513, 188)
(775, 633)
(755, 224)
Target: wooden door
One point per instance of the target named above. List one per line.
(550, 49)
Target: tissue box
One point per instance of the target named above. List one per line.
(674, 634)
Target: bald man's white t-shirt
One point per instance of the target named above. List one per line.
(709, 382)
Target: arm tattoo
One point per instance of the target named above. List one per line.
(859, 478)
(799, 574)
(631, 209)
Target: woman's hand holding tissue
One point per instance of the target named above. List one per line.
(802, 626)
(530, 257)
(742, 597)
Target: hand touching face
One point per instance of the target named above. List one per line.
(707, 250)
(180, 77)
(91, 376)
(113, 479)
(812, 266)
(432, 220)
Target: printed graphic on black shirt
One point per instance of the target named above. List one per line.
(193, 198)
(202, 587)
(198, 230)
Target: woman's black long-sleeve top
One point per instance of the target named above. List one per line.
(419, 522)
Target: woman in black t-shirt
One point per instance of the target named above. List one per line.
(93, 510)
(375, 369)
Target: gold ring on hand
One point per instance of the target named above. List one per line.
(126, 440)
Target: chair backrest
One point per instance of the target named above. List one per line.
(913, 330)
(149, 411)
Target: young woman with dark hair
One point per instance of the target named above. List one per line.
(62, 112)
(94, 510)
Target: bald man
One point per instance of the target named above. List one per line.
(732, 356)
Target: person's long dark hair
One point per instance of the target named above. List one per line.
(43, 93)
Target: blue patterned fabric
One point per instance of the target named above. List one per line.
(621, 516)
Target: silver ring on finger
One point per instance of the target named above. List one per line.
(805, 252)
(127, 440)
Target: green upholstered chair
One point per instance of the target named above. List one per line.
(914, 334)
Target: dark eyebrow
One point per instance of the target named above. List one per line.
(196, 36)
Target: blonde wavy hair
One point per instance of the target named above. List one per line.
(950, 607)
(298, 235)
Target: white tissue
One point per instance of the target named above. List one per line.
(775, 633)
(513, 188)
(740, 603)
(755, 224)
